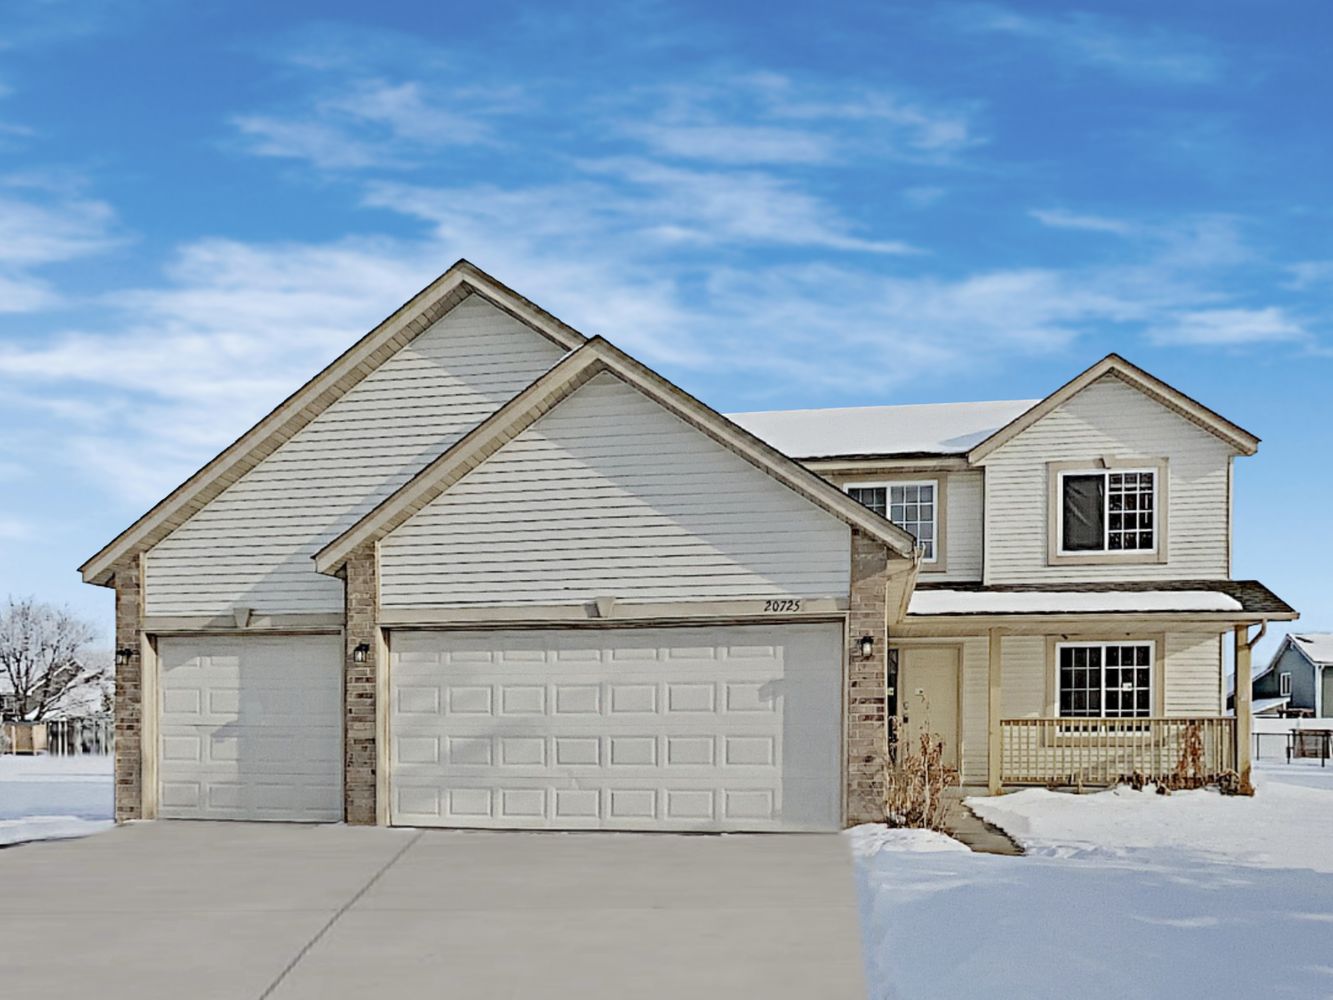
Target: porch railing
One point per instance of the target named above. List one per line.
(1080, 752)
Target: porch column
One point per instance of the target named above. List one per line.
(994, 746)
(1243, 715)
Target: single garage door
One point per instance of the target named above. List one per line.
(250, 728)
(720, 728)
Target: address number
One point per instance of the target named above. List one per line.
(787, 605)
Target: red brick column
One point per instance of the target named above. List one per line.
(129, 691)
(866, 710)
(359, 687)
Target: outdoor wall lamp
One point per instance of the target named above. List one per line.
(867, 646)
(123, 656)
(360, 653)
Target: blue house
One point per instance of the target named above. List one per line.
(1301, 672)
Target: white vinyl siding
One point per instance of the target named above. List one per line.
(1190, 674)
(252, 546)
(1193, 673)
(1108, 419)
(610, 495)
(962, 528)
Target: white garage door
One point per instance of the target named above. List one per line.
(724, 728)
(250, 728)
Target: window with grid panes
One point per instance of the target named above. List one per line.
(1108, 511)
(1105, 680)
(911, 506)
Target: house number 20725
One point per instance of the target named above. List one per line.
(786, 605)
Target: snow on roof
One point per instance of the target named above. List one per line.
(1318, 646)
(1261, 705)
(973, 602)
(933, 428)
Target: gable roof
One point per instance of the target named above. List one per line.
(1150, 385)
(410, 320)
(1317, 647)
(543, 395)
(864, 431)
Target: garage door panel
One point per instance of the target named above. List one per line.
(250, 727)
(618, 729)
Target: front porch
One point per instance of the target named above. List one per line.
(1075, 705)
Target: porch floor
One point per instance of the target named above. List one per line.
(968, 828)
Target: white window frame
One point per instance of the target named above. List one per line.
(1103, 643)
(1284, 684)
(1106, 551)
(937, 523)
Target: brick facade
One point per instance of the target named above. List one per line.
(866, 709)
(129, 691)
(359, 687)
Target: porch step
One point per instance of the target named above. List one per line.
(970, 829)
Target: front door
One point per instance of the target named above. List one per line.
(928, 698)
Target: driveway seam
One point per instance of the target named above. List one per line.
(305, 950)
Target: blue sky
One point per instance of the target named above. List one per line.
(774, 205)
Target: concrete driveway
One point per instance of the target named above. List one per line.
(205, 910)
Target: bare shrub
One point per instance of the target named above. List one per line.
(914, 785)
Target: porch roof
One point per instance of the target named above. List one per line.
(1213, 598)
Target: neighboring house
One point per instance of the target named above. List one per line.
(1299, 676)
(483, 571)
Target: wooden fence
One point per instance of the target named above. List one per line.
(62, 737)
(1082, 752)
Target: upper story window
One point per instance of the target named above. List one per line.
(1108, 511)
(1284, 684)
(914, 507)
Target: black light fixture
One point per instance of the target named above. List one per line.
(361, 652)
(123, 656)
(867, 644)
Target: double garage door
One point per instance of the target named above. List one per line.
(719, 728)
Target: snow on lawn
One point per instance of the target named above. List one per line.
(1122, 894)
(48, 798)
(1286, 825)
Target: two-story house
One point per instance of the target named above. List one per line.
(1076, 565)
(484, 571)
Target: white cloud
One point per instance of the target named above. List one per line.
(769, 118)
(1308, 273)
(923, 195)
(735, 144)
(372, 123)
(36, 230)
(1060, 219)
(1096, 40)
(35, 233)
(13, 529)
(1229, 328)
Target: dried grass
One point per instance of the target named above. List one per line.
(914, 786)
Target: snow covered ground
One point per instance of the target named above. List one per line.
(47, 798)
(1122, 894)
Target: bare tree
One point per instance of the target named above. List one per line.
(44, 656)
